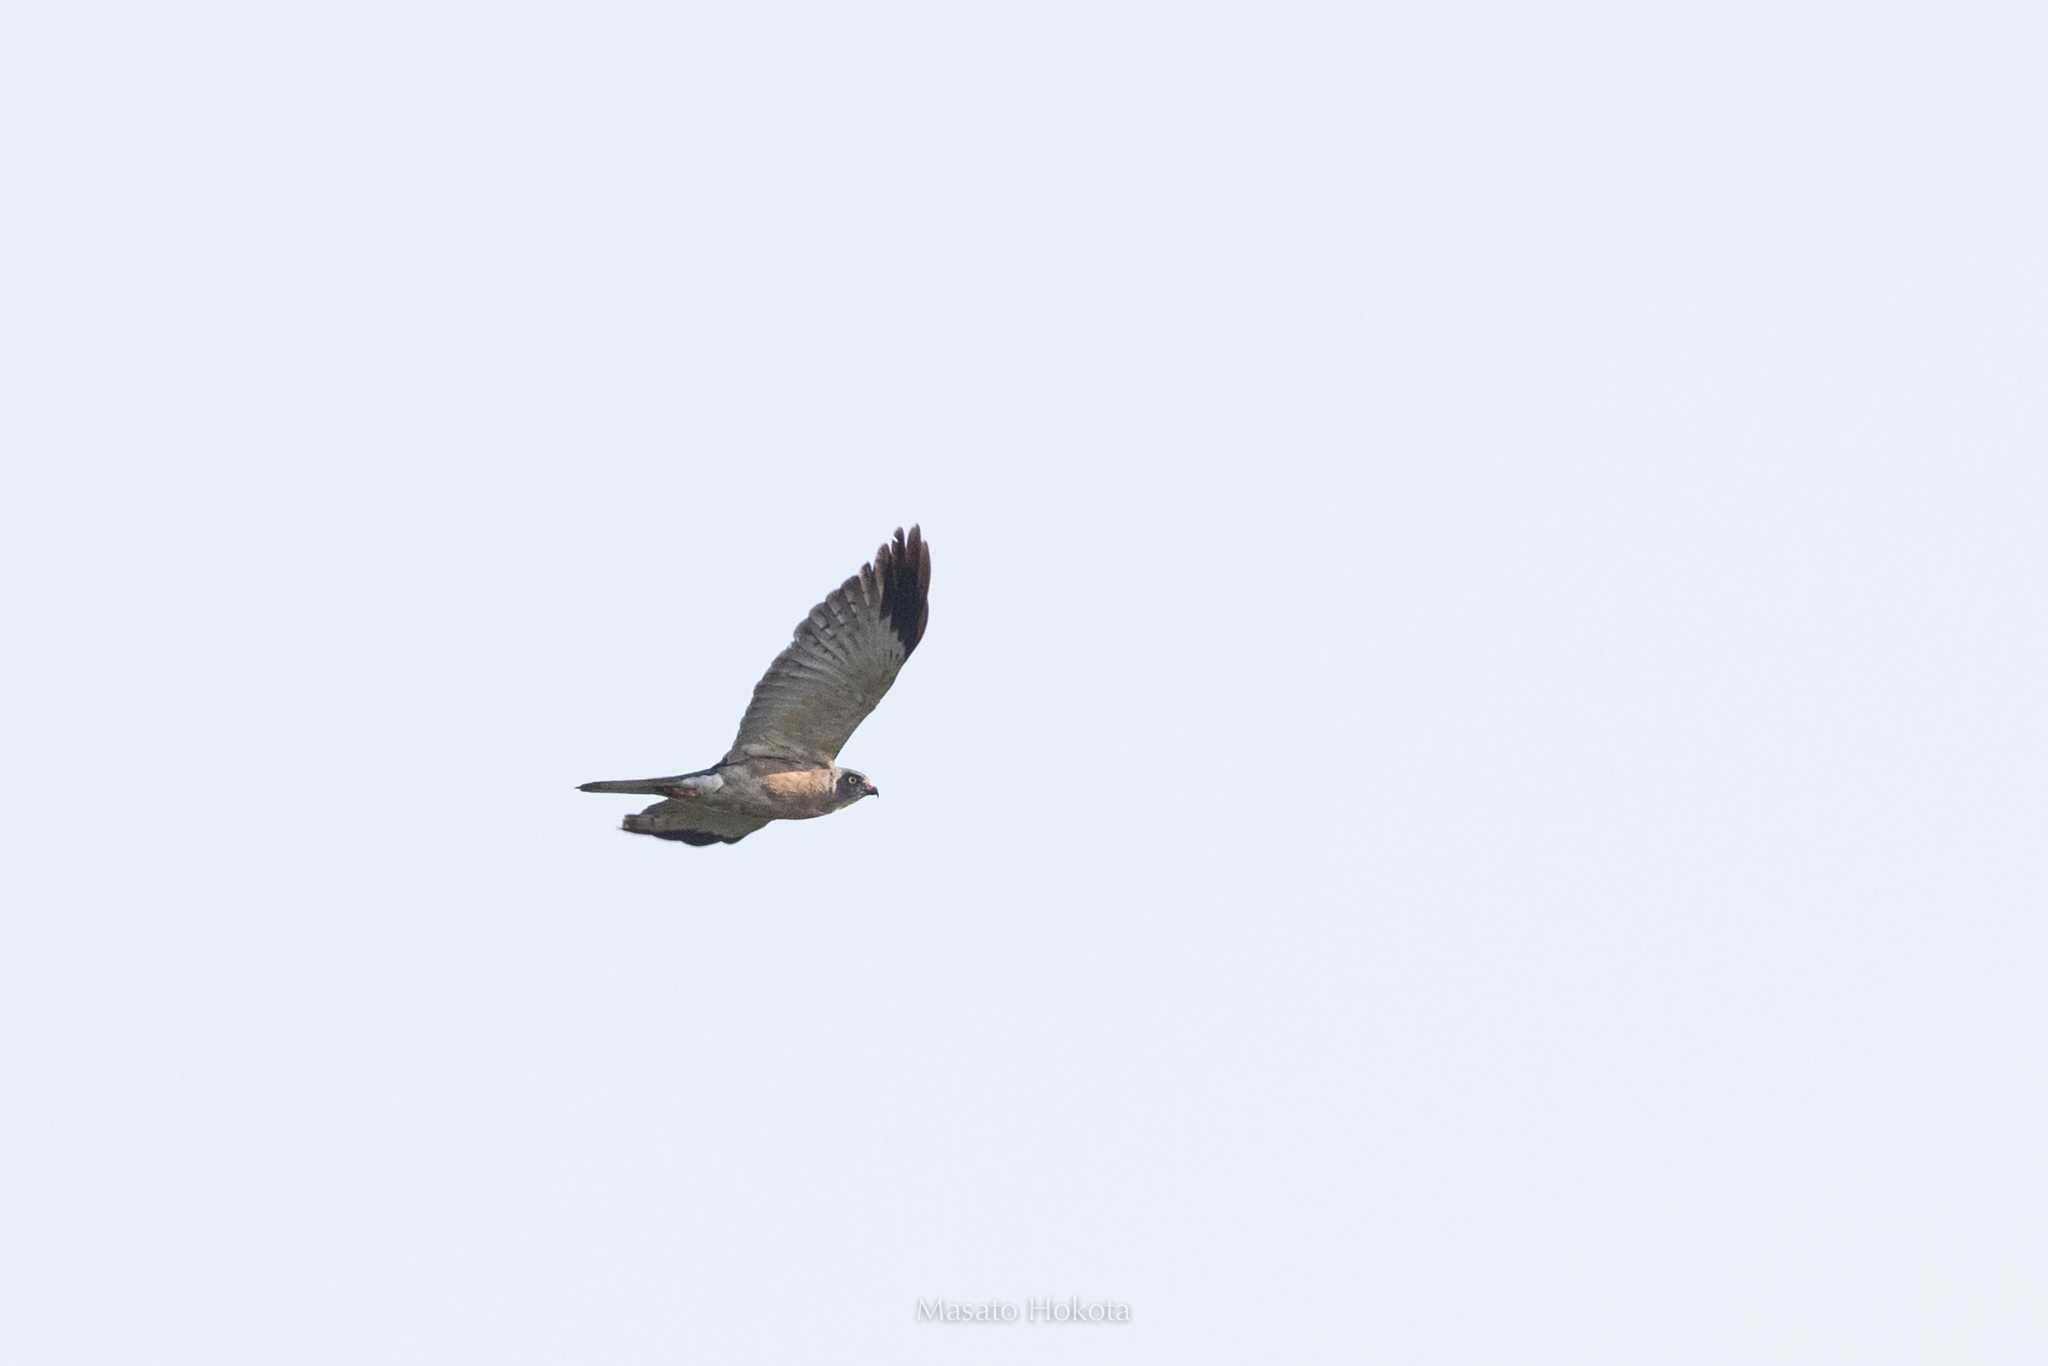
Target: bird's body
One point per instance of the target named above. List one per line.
(781, 766)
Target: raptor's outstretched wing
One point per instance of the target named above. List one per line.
(844, 656)
(693, 821)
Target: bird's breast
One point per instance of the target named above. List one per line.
(807, 792)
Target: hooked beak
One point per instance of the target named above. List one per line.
(873, 791)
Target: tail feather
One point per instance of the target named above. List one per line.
(645, 787)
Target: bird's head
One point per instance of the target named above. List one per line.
(849, 787)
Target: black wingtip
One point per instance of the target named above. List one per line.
(904, 567)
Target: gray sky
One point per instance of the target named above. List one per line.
(1474, 793)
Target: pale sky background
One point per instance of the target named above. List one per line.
(1475, 792)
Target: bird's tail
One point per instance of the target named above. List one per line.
(646, 787)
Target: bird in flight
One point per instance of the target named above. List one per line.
(781, 766)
